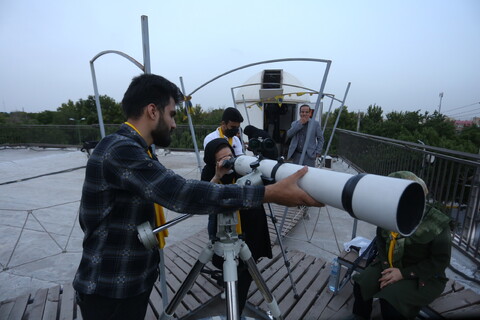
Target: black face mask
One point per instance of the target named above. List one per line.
(230, 132)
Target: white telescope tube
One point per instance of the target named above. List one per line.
(390, 203)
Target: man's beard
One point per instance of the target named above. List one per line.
(161, 134)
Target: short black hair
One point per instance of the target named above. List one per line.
(149, 88)
(304, 105)
(232, 114)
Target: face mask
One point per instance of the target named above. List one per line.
(230, 132)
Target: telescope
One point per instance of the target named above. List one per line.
(391, 203)
(264, 146)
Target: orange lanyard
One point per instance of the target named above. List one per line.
(392, 247)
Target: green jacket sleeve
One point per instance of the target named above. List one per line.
(434, 263)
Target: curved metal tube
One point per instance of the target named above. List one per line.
(126, 56)
(328, 62)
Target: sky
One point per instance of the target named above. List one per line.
(399, 55)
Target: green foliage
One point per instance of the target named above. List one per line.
(432, 129)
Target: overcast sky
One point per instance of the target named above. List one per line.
(396, 54)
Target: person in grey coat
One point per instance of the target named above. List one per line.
(298, 135)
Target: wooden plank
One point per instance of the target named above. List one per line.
(320, 304)
(206, 284)
(6, 307)
(150, 315)
(51, 304)
(310, 295)
(448, 287)
(35, 309)
(188, 300)
(19, 307)
(155, 300)
(285, 287)
(303, 282)
(339, 300)
(274, 277)
(67, 305)
(455, 300)
(457, 286)
(470, 312)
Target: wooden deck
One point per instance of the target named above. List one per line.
(310, 275)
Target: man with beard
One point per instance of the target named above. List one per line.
(231, 120)
(125, 182)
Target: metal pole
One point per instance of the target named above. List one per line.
(328, 113)
(245, 106)
(192, 130)
(97, 100)
(95, 88)
(146, 45)
(336, 121)
(440, 104)
(358, 121)
(317, 104)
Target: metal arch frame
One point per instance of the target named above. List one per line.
(146, 68)
(95, 86)
(328, 62)
(320, 92)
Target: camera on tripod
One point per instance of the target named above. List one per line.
(264, 146)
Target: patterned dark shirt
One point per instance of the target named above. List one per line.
(122, 183)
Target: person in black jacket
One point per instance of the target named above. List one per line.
(252, 227)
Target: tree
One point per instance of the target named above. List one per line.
(372, 121)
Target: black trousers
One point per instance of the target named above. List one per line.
(363, 308)
(96, 307)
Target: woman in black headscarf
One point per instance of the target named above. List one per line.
(254, 227)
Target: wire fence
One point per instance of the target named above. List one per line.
(452, 177)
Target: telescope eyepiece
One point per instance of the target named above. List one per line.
(228, 163)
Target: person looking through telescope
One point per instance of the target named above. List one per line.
(408, 272)
(252, 226)
(298, 135)
(125, 184)
(229, 127)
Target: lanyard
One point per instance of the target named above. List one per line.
(159, 214)
(220, 132)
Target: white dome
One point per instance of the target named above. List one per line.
(289, 83)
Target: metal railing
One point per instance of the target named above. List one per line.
(75, 135)
(452, 177)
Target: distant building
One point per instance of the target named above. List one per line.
(476, 121)
(460, 124)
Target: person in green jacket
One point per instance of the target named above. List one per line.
(408, 272)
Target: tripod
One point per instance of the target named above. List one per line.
(228, 246)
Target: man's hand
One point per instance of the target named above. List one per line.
(287, 192)
(389, 276)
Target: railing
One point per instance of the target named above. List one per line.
(452, 177)
(75, 135)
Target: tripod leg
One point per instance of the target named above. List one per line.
(285, 260)
(272, 304)
(205, 256)
(230, 278)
